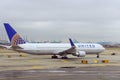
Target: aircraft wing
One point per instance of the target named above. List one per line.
(16, 47)
(5, 46)
(70, 50)
(10, 47)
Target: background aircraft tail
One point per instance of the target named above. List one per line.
(13, 36)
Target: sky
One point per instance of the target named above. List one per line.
(48, 20)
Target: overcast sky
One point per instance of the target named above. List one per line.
(83, 20)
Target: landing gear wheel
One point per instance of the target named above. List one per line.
(64, 57)
(98, 56)
(54, 57)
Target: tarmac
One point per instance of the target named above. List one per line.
(20, 66)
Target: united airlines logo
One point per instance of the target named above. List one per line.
(17, 40)
(87, 46)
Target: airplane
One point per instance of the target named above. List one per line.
(54, 49)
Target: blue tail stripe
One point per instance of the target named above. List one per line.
(10, 31)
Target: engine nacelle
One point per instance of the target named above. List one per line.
(80, 54)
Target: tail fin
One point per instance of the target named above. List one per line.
(71, 42)
(13, 36)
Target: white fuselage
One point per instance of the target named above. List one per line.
(56, 48)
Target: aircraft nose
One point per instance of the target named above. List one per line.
(103, 48)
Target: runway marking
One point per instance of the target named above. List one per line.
(56, 71)
(63, 60)
(113, 64)
(98, 65)
(20, 77)
(37, 67)
(50, 71)
(63, 73)
(34, 60)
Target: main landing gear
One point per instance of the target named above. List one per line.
(98, 56)
(54, 57)
(64, 57)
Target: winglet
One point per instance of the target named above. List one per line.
(71, 42)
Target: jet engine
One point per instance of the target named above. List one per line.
(80, 54)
